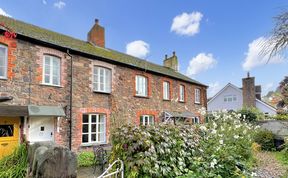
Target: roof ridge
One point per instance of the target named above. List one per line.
(61, 40)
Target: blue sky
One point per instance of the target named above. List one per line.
(212, 39)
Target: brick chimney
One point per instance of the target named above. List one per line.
(249, 91)
(171, 62)
(96, 35)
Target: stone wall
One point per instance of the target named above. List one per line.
(121, 106)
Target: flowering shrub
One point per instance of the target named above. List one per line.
(225, 149)
(220, 148)
(155, 151)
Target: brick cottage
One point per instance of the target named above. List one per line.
(48, 79)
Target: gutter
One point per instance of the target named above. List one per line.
(70, 98)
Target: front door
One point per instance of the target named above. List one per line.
(41, 129)
(9, 135)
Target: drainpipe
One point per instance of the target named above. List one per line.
(70, 98)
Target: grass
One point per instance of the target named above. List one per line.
(85, 159)
(15, 165)
(282, 157)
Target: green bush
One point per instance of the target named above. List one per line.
(15, 165)
(251, 114)
(155, 151)
(265, 138)
(85, 159)
(281, 117)
(220, 148)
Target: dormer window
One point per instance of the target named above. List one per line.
(3, 61)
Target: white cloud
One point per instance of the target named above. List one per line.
(213, 88)
(255, 57)
(187, 24)
(2, 12)
(200, 63)
(59, 4)
(267, 87)
(138, 48)
(44, 2)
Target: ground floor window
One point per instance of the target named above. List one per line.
(93, 128)
(196, 120)
(147, 120)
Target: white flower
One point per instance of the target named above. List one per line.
(237, 126)
(202, 127)
(214, 131)
(221, 142)
(236, 136)
(253, 174)
(213, 163)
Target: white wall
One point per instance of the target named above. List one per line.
(264, 108)
(218, 103)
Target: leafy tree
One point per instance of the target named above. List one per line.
(283, 103)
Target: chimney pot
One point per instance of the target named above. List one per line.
(166, 56)
(174, 53)
(96, 21)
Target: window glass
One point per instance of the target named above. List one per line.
(141, 85)
(147, 120)
(51, 68)
(181, 93)
(197, 95)
(101, 79)
(3, 61)
(230, 98)
(93, 128)
(6, 130)
(166, 90)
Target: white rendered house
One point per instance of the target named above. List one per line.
(233, 98)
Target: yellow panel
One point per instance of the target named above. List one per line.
(9, 135)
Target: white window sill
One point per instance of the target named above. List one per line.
(93, 144)
(197, 102)
(51, 85)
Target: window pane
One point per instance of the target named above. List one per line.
(101, 137)
(6, 130)
(2, 71)
(47, 60)
(85, 138)
(47, 79)
(101, 127)
(85, 119)
(93, 118)
(85, 128)
(108, 80)
(151, 120)
(141, 119)
(93, 138)
(93, 128)
(101, 118)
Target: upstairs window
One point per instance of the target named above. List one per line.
(166, 90)
(141, 86)
(197, 95)
(94, 128)
(181, 93)
(230, 98)
(146, 120)
(3, 61)
(51, 70)
(101, 79)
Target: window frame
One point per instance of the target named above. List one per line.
(167, 92)
(105, 83)
(97, 132)
(147, 116)
(197, 95)
(146, 93)
(5, 61)
(196, 120)
(51, 57)
(181, 94)
(230, 98)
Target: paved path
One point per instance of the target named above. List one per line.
(268, 166)
(87, 172)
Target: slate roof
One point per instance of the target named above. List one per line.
(73, 44)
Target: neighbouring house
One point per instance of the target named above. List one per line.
(57, 88)
(233, 98)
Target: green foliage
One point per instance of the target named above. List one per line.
(85, 159)
(265, 138)
(220, 148)
(14, 165)
(155, 151)
(251, 114)
(281, 117)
